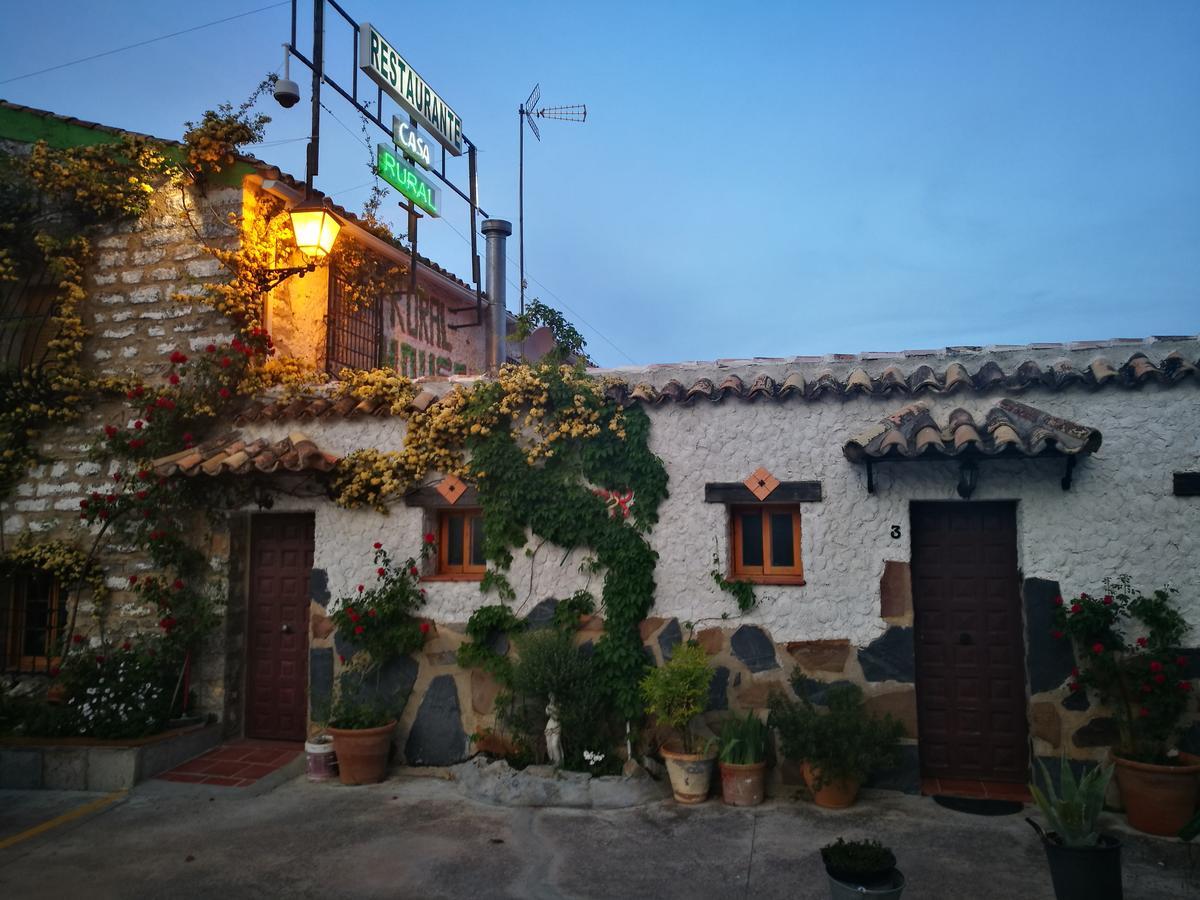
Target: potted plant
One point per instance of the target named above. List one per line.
(839, 747)
(675, 694)
(858, 869)
(381, 621)
(1127, 644)
(1084, 864)
(743, 759)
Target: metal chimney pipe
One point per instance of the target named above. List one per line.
(496, 231)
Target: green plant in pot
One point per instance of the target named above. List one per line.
(380, 620)
(1127, 645)
(858, 869)
(675, 694)
(743, 759)
(1084, 864)
(840, 746)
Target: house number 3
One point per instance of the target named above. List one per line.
(895, 532)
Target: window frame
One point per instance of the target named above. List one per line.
(16, 588)
(766, 573)
(467, 571)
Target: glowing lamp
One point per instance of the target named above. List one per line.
(315, 227)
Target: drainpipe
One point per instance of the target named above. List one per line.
(496, 231)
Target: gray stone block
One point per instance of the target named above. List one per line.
(65, 768)
(437, 737)
(20, 770)
(889, 657)
(318, 587)
(669, 638)
(112, 768)
(163, 755)
(718, 697)
(1049, 660)
(542, 615)
(751, 645)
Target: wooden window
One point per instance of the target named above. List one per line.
(460, 544)
(31, 619)
(766, 543)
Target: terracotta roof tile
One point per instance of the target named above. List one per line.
(1009, 427)
(229, 454)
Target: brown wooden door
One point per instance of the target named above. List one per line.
(970, 653)
(281, 556)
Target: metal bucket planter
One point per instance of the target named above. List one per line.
(362, 753)
(742, 785)
(691, 774)
(891, 889)
(321, 760)
(1086, 873)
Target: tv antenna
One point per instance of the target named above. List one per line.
(526, 113)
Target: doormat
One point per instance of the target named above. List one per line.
(979, 806)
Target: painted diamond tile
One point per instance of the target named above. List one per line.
(761, 483)
(451, 488)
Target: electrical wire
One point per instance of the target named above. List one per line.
(152, 40)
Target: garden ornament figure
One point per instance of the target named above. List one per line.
(553, 733)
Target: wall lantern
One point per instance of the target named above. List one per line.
(316, 229)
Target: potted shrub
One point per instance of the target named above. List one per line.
(743, 759)
(1127, 644)
(858, 869)
(675, 694)
(839, 747)
(381, 621)
(1084, 864)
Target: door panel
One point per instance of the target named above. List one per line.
(281, 556)
(970, 651)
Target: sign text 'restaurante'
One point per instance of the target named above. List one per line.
(390, 71)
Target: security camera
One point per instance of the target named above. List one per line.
(287, 93)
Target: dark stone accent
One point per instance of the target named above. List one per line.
(497, 642)
(1100, 732)
(889, 657)
(751, 645)
(1186, 484)
(394, 685)
(1077, 701)
(542, 615)
(318, 587)
(906, 776)
(587, 649)
(345, 647)
(786, 492)
(818, 691)
(1189, 739)
(437, 737)
(717, 689)
(649, 654)
(320, 683)
(669, 638)
(1050, 661)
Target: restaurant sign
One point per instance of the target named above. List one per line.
(387, 68)
(408, 182)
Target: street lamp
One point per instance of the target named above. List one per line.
(316, 229)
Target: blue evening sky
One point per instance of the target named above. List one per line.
(755, 179)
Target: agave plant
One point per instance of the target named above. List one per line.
(1073, 809)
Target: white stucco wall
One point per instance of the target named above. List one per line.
(1119, 516)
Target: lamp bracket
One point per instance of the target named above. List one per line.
(271, 278)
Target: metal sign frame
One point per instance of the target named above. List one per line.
(319, 76)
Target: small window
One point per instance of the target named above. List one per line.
(460, 543)
(30, 616)
(766, 544)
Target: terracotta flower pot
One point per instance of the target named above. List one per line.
(742, 785)
(362, 753)
(1159, 799)
(690, 773)
(833, 794)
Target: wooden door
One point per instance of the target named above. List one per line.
(970, 652)
(281, 556)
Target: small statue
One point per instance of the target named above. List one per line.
(553, 734)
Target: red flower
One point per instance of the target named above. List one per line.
(1181, 661)
(422, 592)
(1160, 678)
(133, 579)
(1143, 712)
(178, 358)
(117, 476)
(378, 546)
(361, 588)
(178, 585)
(429, 538)
(144, 474)
(141, 495)
(1142, 642)
(167, 624)
(1076, 608)
(99, 659)
(1056, 634)
(1097, 648)
(187, 437)
(137, 425)
(1147, 687)
(224, 392)
(211, 348)
(371, 613)
(127, 646)
(1075, 671)
(341, 658)
(173, 378)
(103, 513)
(358, 629)
(413, 571)
(424, 628)
(381, 571)
(226, 362)
(1155, 665)
(164, 403)
(83, 503)
(1075, 685)
(1058, 601)
(352, 615)
(1108, 600)
(77, 639)
(110, 431)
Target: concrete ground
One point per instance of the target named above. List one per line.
(416, 837)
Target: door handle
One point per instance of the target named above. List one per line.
(286, 629)
(964, 639)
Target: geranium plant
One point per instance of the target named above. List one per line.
(1127, 645)
(379, 615)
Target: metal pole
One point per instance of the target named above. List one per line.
(318, 71)
(496, 231)
(521, 199)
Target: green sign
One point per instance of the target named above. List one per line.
(405, 179)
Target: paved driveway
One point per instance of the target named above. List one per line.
(416, 837)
